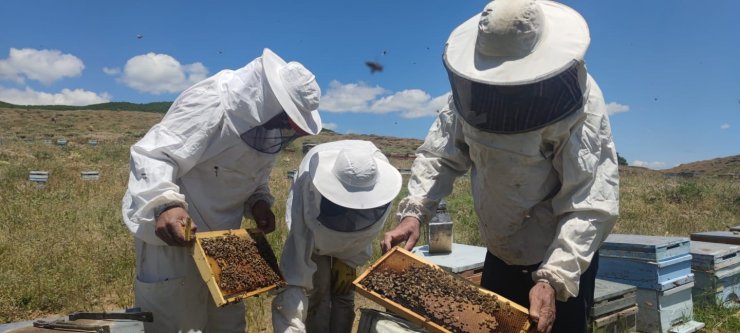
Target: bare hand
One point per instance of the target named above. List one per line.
(542, 306)
(170, 227)
(406, 231)
(263, 216)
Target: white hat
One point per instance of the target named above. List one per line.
(517, 42)
(355, 178)
(296, 89)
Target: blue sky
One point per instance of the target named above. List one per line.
(669, 69)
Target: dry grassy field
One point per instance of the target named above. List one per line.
(64, 247)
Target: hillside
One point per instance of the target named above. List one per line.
(97, 122)
(111, 106)
(722, 167)
(78, 126)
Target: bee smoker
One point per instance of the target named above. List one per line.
(439, 231)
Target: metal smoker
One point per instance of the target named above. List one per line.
(439, 231)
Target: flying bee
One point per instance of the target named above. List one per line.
(374, 66)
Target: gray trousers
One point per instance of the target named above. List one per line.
(328, 313)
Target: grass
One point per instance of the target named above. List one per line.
(64, 248)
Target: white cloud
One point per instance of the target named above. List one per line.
(429, 108)
(359, 97)
(45, 66)
(613, 107)
(111, 70)
(160, 73)
(725, 126)
(65, 97)
(330, 126)
(351, 97)
(651, 165)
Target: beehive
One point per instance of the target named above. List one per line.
(717, 270)
(660, 267)
(726, 237)
(90, 175)
(464, 260)
(614, 309)
(211, 271)
(459, 311)
(650, 262)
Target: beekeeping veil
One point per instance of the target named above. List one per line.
(518, 65)
(292, 95)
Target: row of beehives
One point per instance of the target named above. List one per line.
(42, 177)
(62, 142)
(661, 278)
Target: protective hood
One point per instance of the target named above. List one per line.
(245, 94)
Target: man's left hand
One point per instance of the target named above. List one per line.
(342, 276)
(263, 216)
(542, 306)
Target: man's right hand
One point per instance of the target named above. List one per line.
(408, 230)
(171, 225)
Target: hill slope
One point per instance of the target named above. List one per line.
(95, 121)
(723, 166)
(110, 106)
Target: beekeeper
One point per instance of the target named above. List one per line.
(337, 206)
(210, 159)
(531, 125)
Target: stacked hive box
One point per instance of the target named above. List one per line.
(716, 267)
(660, 268)
(464, 260)
(726, 237)
(614, 309)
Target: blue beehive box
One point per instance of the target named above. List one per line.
(643, 247)
(662, 275)
(614, 309)
(40, 178)
(90, 175)
(726, 237)
(716, 268)
(663, 311)
(650, 262)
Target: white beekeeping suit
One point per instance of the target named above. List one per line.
(531, 125)
(356, 176)
(212, 154)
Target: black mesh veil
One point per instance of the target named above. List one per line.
(272, 136)
(345, 219)
(517, 108)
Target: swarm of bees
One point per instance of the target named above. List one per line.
(242, 266)
(436, 295)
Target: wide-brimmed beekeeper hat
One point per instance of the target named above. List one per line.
(516, 42)
(296, 90)
(355, 178)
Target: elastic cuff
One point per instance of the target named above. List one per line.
(557, 284)
(162, 208)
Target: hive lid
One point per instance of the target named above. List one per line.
(726, 237)
(644, 247)
(461, 258)
(707, 256)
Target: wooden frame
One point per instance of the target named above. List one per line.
(513, 319)
(210, 271)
